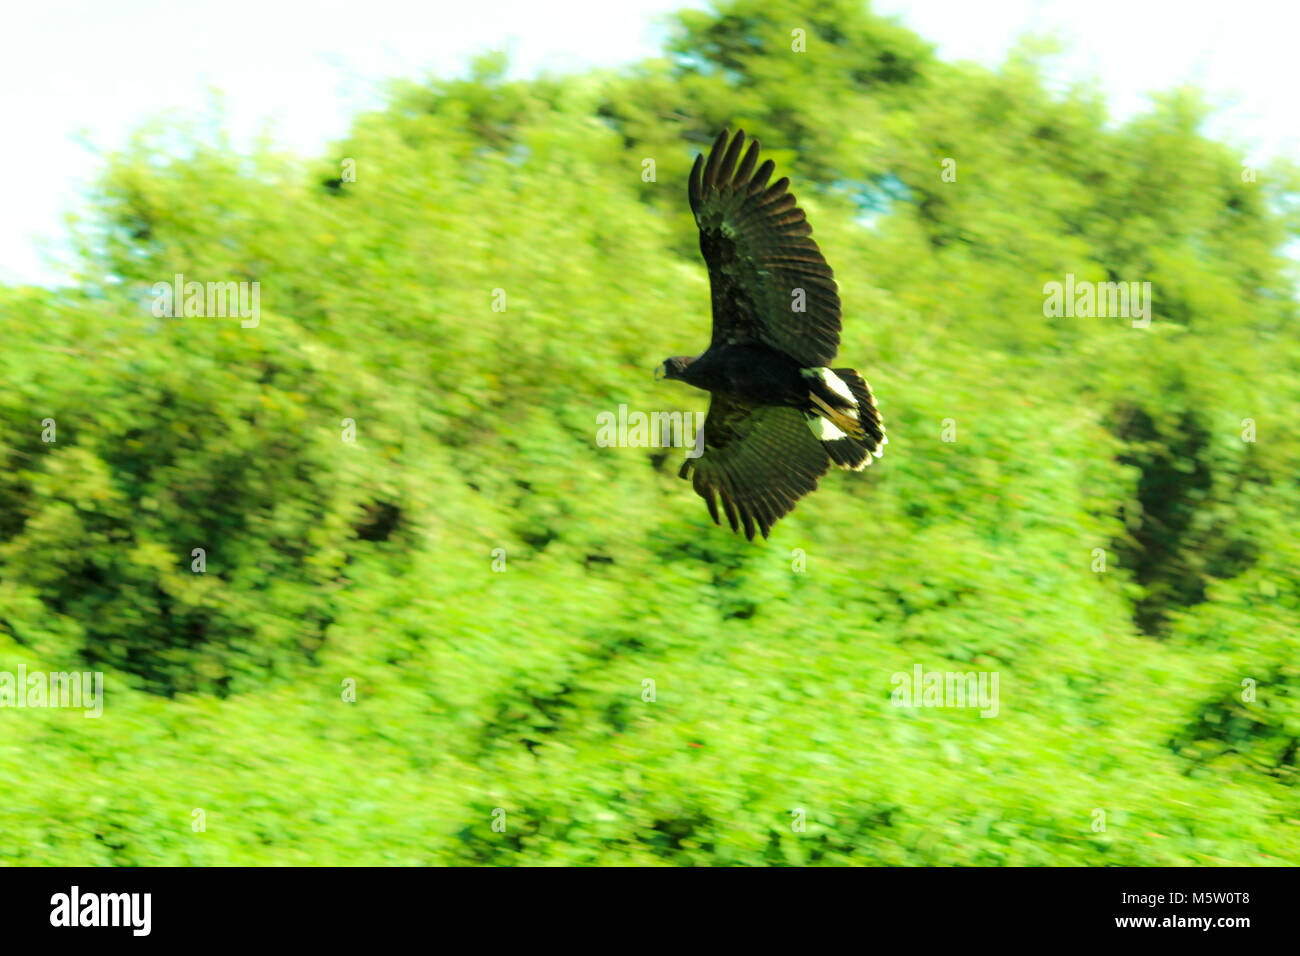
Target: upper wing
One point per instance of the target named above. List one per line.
(755, 240)
(759, 460)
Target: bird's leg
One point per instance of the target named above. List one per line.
(838, 418)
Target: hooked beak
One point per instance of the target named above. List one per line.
(660, 372)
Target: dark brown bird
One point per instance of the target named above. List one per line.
(779, 415)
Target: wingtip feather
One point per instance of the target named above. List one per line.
(728, 167)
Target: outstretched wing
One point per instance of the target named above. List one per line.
(759, 460)
(755, 240)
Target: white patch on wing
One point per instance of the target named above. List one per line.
(838, 386)
(824, 430)
(833, 382)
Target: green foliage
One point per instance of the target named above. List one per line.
(1020, 444)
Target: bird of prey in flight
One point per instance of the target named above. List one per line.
(779, 415)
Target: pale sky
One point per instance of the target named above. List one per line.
(79, 75)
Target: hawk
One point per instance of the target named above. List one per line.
(779, 415)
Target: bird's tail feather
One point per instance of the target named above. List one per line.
(864, 437)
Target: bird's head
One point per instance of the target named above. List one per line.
(674, 367)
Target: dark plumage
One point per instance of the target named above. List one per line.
(779, 416)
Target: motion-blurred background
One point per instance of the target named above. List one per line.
(365, 588)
